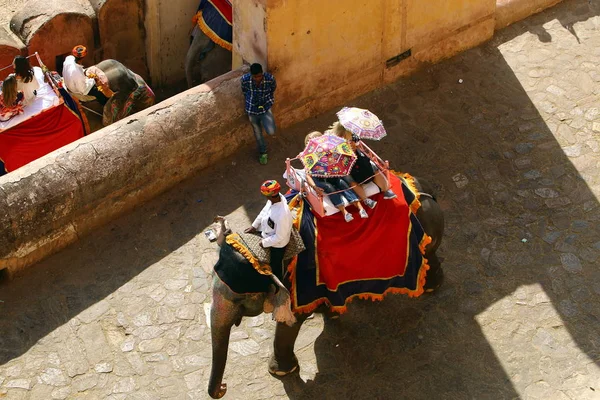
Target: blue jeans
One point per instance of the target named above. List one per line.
(260, 121)
(330, 185)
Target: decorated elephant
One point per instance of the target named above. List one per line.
(241, 289)
(209, 54)
(127, 92)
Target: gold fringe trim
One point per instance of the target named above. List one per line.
(236, 242)
(210, 33)
(421, 277)
(410, 182)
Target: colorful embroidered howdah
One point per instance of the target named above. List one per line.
(370, 258)
(214, 18)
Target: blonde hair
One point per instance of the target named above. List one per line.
(9, 91)
(311, 135)
(338, 129)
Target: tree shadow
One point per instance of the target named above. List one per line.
(467, 340)
(520, 251)
(582, 13)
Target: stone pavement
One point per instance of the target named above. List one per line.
(515, 153)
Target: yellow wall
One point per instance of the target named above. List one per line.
(168, 24)
(249, 34)
(326, 52)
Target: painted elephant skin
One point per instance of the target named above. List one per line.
(205, 60)
(229, 307)
(130, 93)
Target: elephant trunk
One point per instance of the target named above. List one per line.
(220, 344)
(199, 43)
(223, 315)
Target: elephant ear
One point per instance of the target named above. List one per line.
(282, 304)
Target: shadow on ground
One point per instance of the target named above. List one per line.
(518, 184)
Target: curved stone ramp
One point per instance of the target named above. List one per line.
(66, 22)
(10, 47)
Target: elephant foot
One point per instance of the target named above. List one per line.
(220, 392)
(282, 368)
(435, 279)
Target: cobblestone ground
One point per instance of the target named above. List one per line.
(515, 153)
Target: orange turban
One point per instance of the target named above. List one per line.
(79, 51)
(270, 188)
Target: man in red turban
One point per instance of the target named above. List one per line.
(274, 224)
(75, 78)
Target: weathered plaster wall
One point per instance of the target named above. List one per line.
(511, 11)
(49, 203)
(249, 33)
(324, 53)
(167, 24)
(122, 35)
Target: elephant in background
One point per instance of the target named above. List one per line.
(228, 307)
(127, 92)
(209, 57)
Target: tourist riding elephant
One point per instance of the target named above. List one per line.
(228, 307)
(128, 93)
(209, 54)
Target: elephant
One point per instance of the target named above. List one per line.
(128, 93)
(228, 307)
(209, 57)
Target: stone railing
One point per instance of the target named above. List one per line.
(49, 203)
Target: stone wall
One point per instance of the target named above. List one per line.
(49, 203)
(511, 11)
(54, 27)
(168, 24)
(325, 53)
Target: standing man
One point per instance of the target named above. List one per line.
(259, 90)
(75, 79)
(275, 225)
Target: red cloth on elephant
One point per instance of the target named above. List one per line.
(39, 136)
(371, 248)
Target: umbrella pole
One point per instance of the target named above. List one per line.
(90, 110)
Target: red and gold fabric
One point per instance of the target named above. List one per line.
(38, 136)
(215, 20)
(368, 258)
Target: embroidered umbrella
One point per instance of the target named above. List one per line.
(327, 156)
(362, 123)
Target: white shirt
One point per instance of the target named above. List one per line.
(275, 223)
(75, 79)
(29, 89)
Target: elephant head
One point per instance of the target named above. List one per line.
(205, 60)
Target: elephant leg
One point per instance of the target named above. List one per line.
(284, 361)
(435, 275)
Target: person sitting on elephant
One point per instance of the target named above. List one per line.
(11, 100)
(336, 188)
(76, 81)
(363, 170)
(26, 80)
(258, 88)
(274, 224)
(128, 93)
